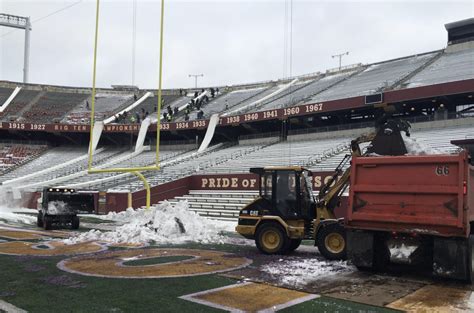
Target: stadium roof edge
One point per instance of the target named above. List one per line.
(460, 23)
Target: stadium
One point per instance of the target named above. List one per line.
(164, 176)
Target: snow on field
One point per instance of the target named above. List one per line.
(163, 224)
(301, 271)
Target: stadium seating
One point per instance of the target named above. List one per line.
(51, 107)
(68, 160)
(408, 72)
(76, 172)
(21, 101)
(305, 90)
(105, 106)
(150, 105)
(229, 101)
(13, 155)
(374, 78)
(451, 66)
(4, 94)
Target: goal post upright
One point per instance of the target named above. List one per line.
(132, 170)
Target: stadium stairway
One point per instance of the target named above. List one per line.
(219, 205)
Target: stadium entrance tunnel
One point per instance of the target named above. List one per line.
(177, 263)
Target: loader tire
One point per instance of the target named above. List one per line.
(272, 239)
(47, 222)
(331, 241)
(75, 222)
(39, 220)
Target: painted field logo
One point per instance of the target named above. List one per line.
(48, 248)
(179, 263)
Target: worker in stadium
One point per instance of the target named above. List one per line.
(200, 114)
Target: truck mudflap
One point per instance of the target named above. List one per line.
(360, 248)
(368, 249)
(454, 258)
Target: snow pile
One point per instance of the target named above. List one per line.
(417, 148)
(299, 272)
(163, 224)
(8, 214)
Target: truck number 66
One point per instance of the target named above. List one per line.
(442, 170)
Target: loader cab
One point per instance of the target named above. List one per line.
(287, 191)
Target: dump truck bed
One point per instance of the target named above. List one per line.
(414, 194)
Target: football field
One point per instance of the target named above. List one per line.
(43, 273)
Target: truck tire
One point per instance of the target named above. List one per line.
(39, 220)
(75, 222)
(272, 239)
(331, 242)
(294, 244)
(47, 222)
(470, 259)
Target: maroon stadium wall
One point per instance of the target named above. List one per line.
(117, 202)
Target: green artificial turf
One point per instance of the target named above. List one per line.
(35, 284)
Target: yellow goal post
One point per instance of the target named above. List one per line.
(133, 170)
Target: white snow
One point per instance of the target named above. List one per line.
(417, 148)
(299, 272)
(402, 251)
(57, 207)
(163, 224)
(8, 214)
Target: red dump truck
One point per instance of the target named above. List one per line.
(420, 208)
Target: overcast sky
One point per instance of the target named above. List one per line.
(229, 42)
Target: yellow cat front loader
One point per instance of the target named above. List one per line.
(286, 212)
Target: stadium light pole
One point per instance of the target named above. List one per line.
(196, 78)
(340, 57)
(20, 22)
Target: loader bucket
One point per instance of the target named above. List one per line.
(389, 140)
